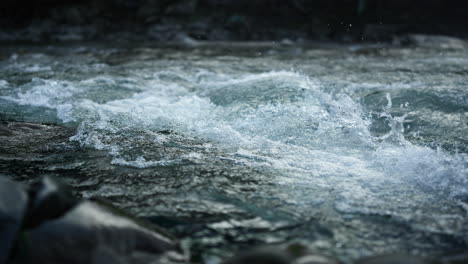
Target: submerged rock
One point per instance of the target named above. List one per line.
(13, 204)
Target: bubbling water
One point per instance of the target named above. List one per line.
(280, 120)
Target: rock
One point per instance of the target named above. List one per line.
(262, 256)
(79, 235)
(431, 41)
(49, 199)
(395, 259)
(13, 203)
(104, 254)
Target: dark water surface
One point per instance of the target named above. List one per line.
(351, 150)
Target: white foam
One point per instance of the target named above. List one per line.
(46, 93)
(4, 84)
(278, 120)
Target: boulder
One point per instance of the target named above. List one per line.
(13, 204)
(49, 199)
(93, 231)
(58, 228)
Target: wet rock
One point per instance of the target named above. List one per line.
(104, 254)
(90, 225)
(395, 259)
(13, 203)
(49, 199)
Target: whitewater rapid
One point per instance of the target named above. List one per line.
(352, 147)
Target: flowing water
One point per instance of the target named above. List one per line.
(352, 151)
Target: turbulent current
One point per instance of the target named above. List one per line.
(352, 151)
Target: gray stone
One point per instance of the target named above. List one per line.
(78, 237)
(13, 203)
(49, 199)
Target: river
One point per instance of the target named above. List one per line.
(350, 150)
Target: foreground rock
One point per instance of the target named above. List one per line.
(60, 229)
(13, 204)
(93, 231)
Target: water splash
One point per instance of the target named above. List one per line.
(396, 124)
(278, 120)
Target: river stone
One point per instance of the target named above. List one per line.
(13, 203)
(49, 199)
(90, 226)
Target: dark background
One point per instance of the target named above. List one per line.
(339, 20)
